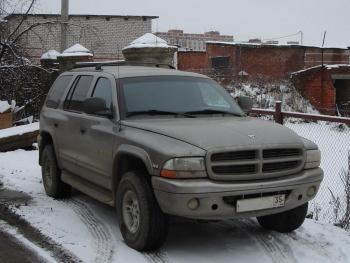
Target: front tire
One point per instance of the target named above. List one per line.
(142, 223)
(51, 175)
(286, 221)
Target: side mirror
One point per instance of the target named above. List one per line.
(96, 106)
(245, 103)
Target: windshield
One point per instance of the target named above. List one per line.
(178, 95)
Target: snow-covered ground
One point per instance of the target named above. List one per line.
(89, 229)
(265, 96)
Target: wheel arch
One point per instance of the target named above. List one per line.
(129, 158)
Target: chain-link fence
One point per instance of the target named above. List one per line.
(333, 139)
(332, 203)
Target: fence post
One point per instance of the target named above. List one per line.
(278, 117)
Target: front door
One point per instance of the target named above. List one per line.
(95, 157)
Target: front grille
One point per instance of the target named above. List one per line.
(272, 167)
(278, 153)
(255, 164)
(235, 169)
(232, 156)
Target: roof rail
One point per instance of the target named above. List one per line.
(99, 65)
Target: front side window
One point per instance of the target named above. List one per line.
(176, 95)
(103, 90)
(77, 94)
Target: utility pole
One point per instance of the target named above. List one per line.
(64, 24)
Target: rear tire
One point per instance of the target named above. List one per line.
(143, 225)
(286, 221)
(51, 175)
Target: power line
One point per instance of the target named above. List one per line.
(286, 36)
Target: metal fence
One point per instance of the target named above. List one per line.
(332, 135)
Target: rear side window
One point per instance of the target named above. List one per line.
(57, 90)
(78, 93)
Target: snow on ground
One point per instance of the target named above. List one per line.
(266, 95)
(89, 229)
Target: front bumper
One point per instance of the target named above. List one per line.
(173, 195)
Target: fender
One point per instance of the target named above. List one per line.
(136, 152)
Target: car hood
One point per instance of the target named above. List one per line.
(211, 133)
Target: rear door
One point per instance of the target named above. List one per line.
(68, 126)
(95, 155)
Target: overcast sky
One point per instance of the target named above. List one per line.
(243, 19)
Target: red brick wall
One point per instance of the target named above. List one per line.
(192, 60)
(276, 63)
(313, 56)
(321, 96)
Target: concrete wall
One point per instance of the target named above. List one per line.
(105, 36)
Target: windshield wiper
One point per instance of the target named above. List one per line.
(158, 112)
(212, 111)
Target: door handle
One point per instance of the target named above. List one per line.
(82, 131)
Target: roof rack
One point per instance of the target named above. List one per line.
(99, 65)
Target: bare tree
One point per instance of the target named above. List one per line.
(10, 36)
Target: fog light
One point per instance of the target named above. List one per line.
(311, 191)
(193, 204)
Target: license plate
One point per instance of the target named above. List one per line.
(260, 203)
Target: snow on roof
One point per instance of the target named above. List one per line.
(149, 40)
(264, 44)
(327, 66)
(4, 106)
(337, 66)
(76, 50)
(51, 54)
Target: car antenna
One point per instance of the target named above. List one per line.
(118, 86)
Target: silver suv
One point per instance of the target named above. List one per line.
(157, 142)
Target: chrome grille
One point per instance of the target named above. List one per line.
(254, 164)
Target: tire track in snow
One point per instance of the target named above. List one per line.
(279, 253)
(156, 257)
(101, 234)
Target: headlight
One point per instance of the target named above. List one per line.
(313, 159)
(184, 168)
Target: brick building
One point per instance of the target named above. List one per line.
(104, 35)
(327, 87)
(194, 42)
(258, 59)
